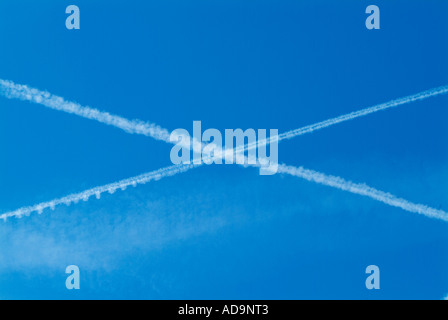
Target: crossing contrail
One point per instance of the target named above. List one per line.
(23, 92)
(300, 172)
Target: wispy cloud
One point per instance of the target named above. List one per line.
(108, 233)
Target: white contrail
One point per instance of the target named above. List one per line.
(356, 114)
(362, 189)
(23, 92)
(11, 90)
(97, 191)
(300, 172)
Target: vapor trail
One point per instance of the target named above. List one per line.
(362, 189)
(356, 114)
(300, 172)
(97, 191)
(11, 90)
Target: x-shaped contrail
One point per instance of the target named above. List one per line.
(23, 92)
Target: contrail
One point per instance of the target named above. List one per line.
(363, 112)
(362, 189)
(97, 191)
(300, 172)
(11, 90)
(23, 92)
(356, 114)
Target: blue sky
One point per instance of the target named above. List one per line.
(224, 232)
